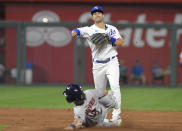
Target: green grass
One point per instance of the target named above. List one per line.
(32, 97)
(3, 127)
(167, 99)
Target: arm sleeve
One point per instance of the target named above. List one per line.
(79, 115)
(84, 31)
(117, 36)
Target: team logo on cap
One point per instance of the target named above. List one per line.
(96, 7)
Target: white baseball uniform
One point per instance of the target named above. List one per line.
(105, 63)
(94, 109)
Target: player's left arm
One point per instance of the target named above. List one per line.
(75, 125)
(118, 40)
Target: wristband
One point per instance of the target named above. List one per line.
(73, 126)
(113, 40)
(77, 31)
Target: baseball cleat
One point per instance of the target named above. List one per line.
(106, 120)
(117, 120)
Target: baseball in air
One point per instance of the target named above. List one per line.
(45, 20)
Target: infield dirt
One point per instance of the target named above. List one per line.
(19, 119)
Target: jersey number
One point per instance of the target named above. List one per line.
(93, 112)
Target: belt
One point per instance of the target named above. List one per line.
(104, 61)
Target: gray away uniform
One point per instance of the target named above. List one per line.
(94, 109)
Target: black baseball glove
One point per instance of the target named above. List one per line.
(100, 40)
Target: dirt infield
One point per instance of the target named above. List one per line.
(56, 119)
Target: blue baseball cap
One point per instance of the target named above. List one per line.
(97, 9)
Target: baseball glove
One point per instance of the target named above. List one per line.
(100, 40)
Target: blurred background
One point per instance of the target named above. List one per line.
(36, 46)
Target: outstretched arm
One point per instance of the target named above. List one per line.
(75, 125)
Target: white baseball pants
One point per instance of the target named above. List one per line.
(108, 71)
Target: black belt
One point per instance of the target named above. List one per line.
(104, 61)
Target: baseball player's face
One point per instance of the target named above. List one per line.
(98, 17)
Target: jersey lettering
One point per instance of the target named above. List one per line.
(89, 111)
(112, 32)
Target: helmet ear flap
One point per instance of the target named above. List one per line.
(69, 99)
(83, 96)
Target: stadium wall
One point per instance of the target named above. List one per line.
(54, 64)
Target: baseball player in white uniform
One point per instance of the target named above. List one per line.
(91, 107)
(105, 63)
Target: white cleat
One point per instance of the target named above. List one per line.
(106, 120)
(117, 120)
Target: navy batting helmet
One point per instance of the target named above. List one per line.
(97, 9)
(73, 93)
